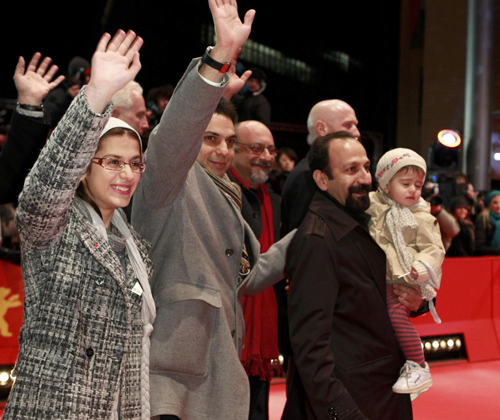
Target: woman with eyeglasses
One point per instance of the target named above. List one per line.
(88, 310)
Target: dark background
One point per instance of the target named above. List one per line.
(366, 31)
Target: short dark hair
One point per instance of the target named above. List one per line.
(160, 92)
(226, 107)
(319, 158)
(289, 152)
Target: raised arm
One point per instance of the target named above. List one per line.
(35, 82)
(174, 144)
(45, 203)
(27, 132)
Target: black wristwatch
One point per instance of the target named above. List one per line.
(37, 108)
(217, 65)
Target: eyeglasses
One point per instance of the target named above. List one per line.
(258, 148)
(114, 164)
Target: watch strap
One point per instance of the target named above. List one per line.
(217, 65)
(27, 107)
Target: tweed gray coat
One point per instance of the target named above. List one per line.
(80, 344)
(197, 236)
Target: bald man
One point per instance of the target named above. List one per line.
(325, 117)
(253, 161)
(331, 116)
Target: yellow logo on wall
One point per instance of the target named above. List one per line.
(7, 302)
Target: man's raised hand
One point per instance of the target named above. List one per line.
(231, 32)
(35, 82)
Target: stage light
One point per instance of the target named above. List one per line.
(450, 343)
(446, 150)
(428, 345)
(449, 138)
(458, 343)
(435, 344)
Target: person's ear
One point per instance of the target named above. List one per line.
(321, 129)
(321, 179)
(386, 188)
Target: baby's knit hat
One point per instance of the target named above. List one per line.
(392, 161)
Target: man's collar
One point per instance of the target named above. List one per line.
(340, 220)
(235, 177)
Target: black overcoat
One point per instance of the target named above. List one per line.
(346, 353)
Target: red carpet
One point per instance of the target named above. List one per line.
(460, 390)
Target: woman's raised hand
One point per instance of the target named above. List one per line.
(114, 64)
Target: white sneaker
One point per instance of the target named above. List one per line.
(413, 378)
(415, 395)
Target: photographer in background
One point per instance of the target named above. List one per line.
(447, 223)
(156, 102)
(58, 100)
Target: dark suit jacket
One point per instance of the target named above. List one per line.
(296, 196)
(346, 353)
(252, 214)
(25, 139)
(251, 209)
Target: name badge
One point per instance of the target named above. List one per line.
(137, 289)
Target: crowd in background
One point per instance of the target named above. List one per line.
(469, 220)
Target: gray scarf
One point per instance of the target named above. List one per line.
(397, 219)
(148, 311)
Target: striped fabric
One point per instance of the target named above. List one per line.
(406, 333)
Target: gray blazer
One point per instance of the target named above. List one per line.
(80, 343)
(197, 238)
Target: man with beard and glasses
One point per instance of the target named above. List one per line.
(254, 155)
(346, 354)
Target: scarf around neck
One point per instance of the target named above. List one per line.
(228, 188)
(494, 219)
(148, 310)
(260, 352)
(398, 218)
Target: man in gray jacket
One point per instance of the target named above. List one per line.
(202, 248)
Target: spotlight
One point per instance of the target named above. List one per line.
(449, 138)
(446, 150)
